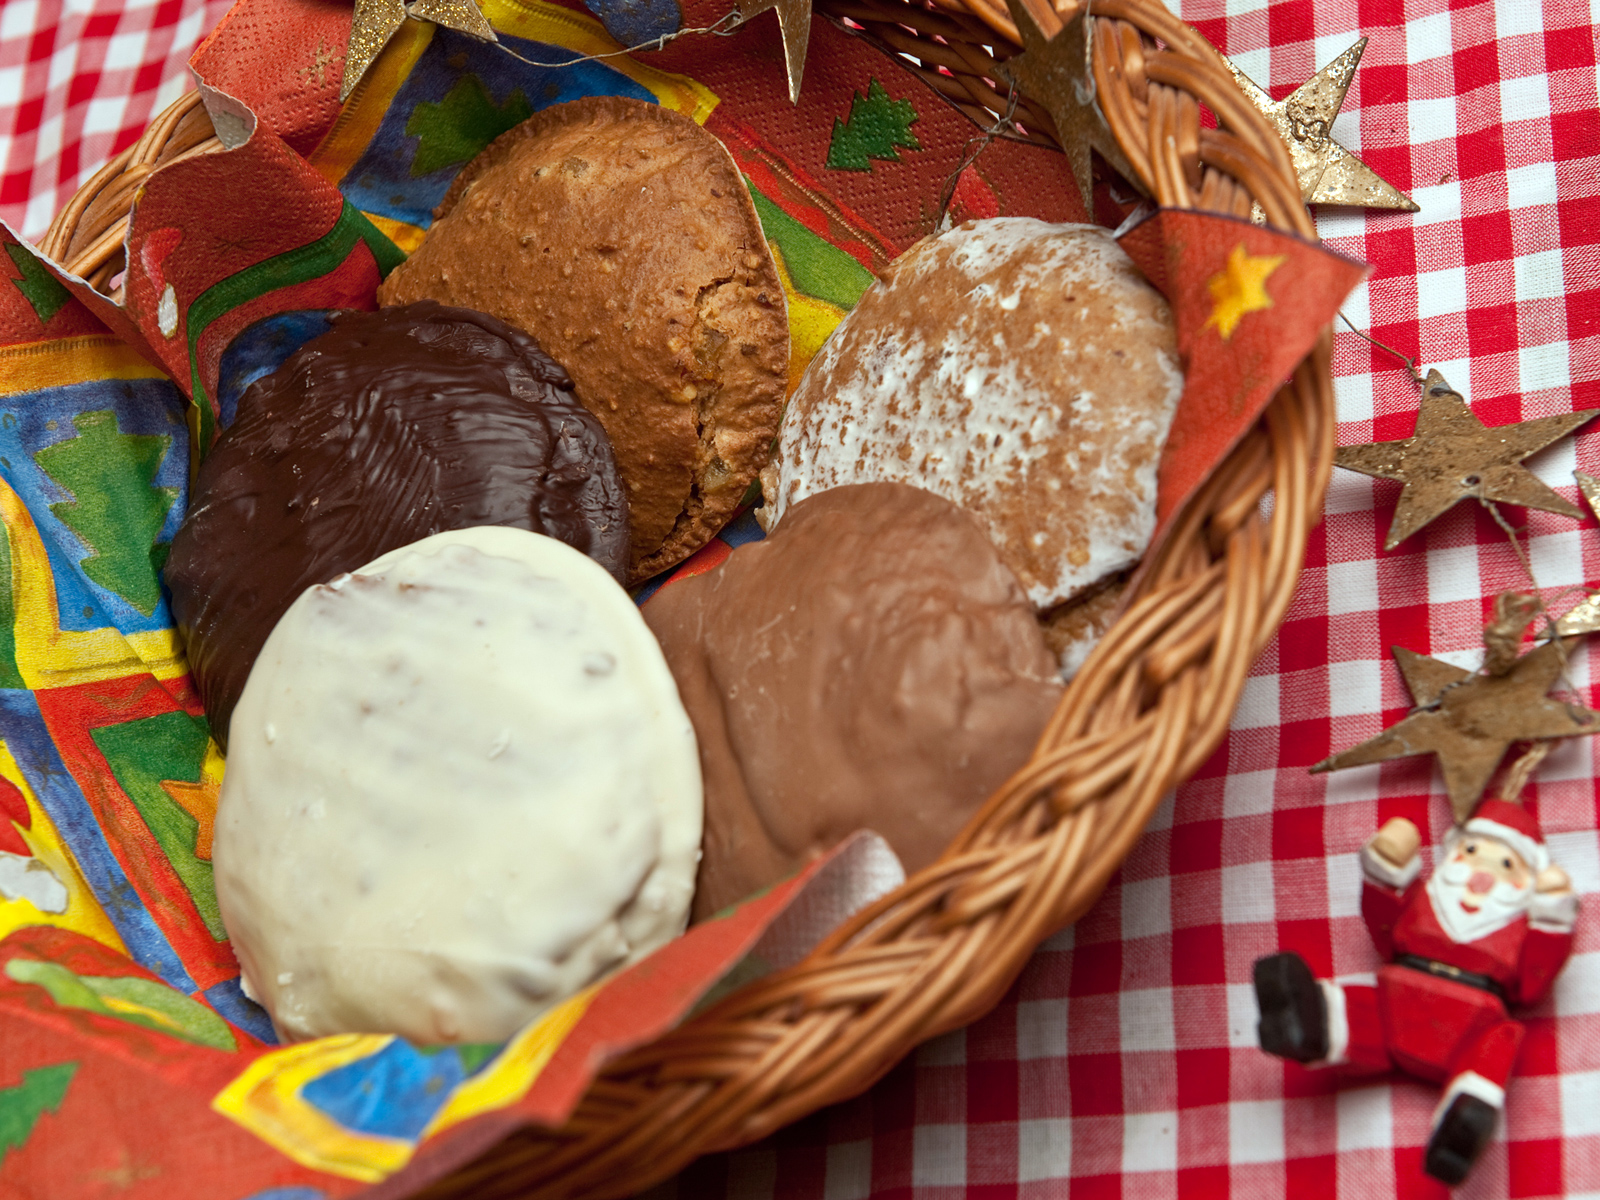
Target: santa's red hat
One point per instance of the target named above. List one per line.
(1513, 825)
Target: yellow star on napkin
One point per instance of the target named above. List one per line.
(376, 21)
(1239, 288)
(1329, 174)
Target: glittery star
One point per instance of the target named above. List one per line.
(1468, 721)
(462, 15)
(1239, 288)
(1584, 617)
(794, 22)
(1452, 455)
(376, 21)
(1055, 69)
(1329, 174)
(1590, 487)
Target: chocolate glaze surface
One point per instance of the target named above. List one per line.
(391, 427)
(872, 664)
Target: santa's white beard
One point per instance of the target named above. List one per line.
(1497, 908)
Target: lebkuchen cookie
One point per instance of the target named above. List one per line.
(872, 664)
(622, 236)
(1023, 370)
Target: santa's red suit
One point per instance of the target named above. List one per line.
(1439, 1008)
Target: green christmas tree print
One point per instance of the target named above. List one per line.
(875, 127)
(42, 1090)
(462, 124)
(115, 510)
(41, 289)
(143, 755)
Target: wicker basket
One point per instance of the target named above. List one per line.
(1151, 704)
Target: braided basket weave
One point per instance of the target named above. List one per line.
(1151, 704)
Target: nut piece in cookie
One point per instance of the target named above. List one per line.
(1023, 370)
(873, 664)
(622, 236)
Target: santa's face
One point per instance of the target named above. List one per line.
(1494, 858)
(1481, 885)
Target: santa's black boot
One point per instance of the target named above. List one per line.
(1294, 1012)
(1460, 1137)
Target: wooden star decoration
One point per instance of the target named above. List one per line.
(1468, 721)
(376, 21)
(1584, 617)
(1056, 69)
(1329, 174)
(794, 22)
(1452, 456)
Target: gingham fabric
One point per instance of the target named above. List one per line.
(1124, 1063)
(79, 81)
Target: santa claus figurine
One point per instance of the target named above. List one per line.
(1489, 929)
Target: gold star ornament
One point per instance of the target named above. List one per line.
(376, 21)
(1055, 69)
(1590, 487)
(1585, 616)
(1452, 456)
(1329, 174)
(1468, 721)
(794, 22)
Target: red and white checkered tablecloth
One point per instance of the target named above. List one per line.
(1124, 1062)
(79, 81)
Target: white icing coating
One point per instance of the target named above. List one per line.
(460, 787)
(1023, 370)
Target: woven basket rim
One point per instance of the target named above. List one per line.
(1146, 710)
